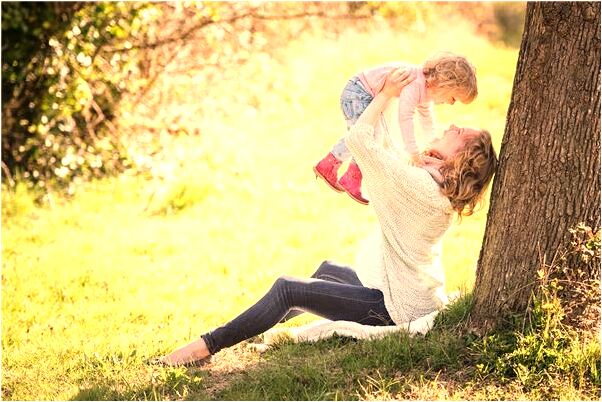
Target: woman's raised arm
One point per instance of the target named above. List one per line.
(396, 80)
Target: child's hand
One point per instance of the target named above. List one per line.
(416, 160)
(423, 160)
(431, 165)
(396, 80)
(431, 161)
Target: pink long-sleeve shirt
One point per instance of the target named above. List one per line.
(412, 97)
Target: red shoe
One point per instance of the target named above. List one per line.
(327, 169)
(351, 181)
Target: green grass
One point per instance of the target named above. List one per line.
(446, 363)
(133, 266)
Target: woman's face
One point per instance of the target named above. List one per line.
(454, 139)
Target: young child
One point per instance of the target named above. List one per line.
(444, 78)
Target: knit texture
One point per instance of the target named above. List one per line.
(323, 329)
(402, 258)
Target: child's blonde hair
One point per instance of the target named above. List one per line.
(450, 72)
(467, 175)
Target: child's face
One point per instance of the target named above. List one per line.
(448, 97)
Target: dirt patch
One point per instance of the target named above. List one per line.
(227, 365)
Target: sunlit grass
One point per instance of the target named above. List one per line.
(137, 264)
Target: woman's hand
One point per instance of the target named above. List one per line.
(396, 80)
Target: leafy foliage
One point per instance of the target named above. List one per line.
(61, 83)
(549, 346)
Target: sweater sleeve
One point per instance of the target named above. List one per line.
(408, 101)
(386, 173)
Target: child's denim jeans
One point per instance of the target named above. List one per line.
(335, 293)
(354, 100)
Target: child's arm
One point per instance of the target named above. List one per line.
(427, 119)
(408, 101)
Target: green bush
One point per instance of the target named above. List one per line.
(61, 80)
(18, 200)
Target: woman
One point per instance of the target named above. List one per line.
(400, 281)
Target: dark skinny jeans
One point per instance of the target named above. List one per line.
(335, 293)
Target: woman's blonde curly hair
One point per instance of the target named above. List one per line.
(467, 175)
(449, 72)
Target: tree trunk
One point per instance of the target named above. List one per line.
(548, 178)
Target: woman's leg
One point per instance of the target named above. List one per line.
(341, 297)
(335, 301)
(329, 271)
(363, 304)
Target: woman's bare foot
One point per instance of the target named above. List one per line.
(188, 354)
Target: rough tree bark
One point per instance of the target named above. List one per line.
(549, 173)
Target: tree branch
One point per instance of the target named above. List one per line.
(209, 21)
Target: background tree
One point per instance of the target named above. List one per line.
(72, 71)
(548, 179)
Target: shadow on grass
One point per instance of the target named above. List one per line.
(127, 377)
(161, 384)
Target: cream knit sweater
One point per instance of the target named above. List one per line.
(402, 258)
(323, 329)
